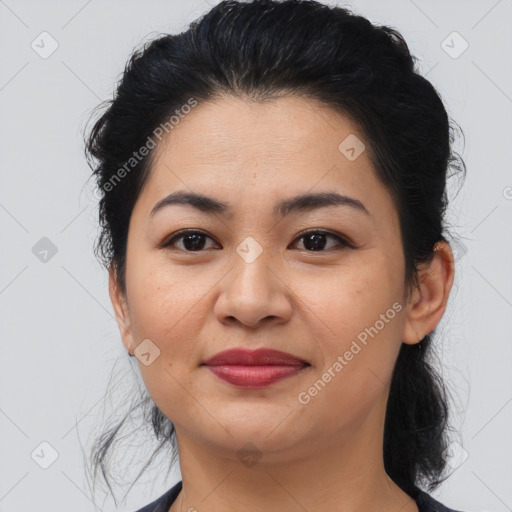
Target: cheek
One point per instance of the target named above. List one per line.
(359, 348)
(164, 299)
(167, 310)
(349, 296)
(358, 317)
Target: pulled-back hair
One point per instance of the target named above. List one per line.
(266, 48)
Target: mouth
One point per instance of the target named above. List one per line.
(254, 368)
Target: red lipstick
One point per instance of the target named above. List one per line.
(254, 368)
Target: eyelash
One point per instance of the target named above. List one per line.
(343, 241)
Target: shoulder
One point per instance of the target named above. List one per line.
(163, 503)
(426, 503)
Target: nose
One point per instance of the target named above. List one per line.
(253, 294)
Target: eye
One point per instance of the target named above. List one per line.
(313, 241)
(189, 240)
(318, 241)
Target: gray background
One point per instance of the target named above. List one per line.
(59, 338)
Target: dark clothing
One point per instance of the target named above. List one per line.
(424, 502)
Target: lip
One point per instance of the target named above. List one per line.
(254, 368)
(259, 357)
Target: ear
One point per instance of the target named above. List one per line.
(121, 310)
(428, 300)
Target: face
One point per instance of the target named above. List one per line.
(321, 280)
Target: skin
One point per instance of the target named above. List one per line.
(325, 455)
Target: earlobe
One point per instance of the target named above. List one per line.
(428, 301)
(120, 309)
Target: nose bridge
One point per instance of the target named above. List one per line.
(252, 291)
(251, 266)
(252, 279)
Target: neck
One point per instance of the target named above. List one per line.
(325, 475)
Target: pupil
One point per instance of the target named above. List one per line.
(317, 240)
(195, 240)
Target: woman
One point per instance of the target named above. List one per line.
(272, 209)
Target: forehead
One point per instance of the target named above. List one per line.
(233, 129)
(280, 147)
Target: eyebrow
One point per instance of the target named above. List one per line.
(304, 202)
